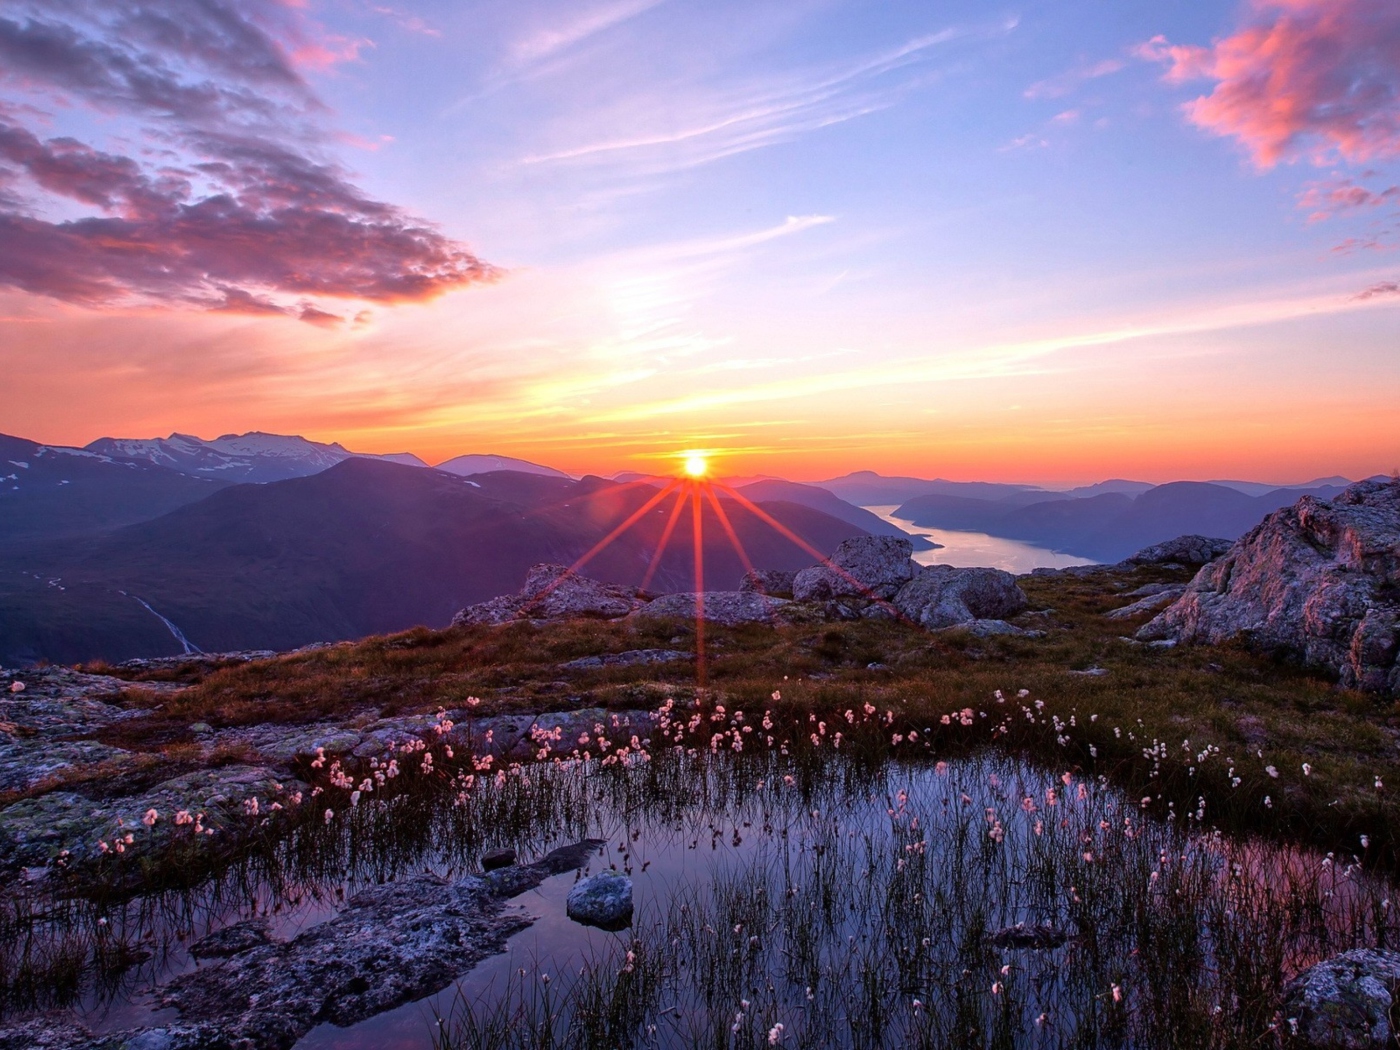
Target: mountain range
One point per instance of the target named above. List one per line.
(1110, 525)
(138, 547)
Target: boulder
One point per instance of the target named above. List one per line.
(554, 592)
(1344, 1003)
(1040, 936)
(603, 900)
(1319, 580)
(768, 581)
(1184, 550)
(1148, 603)
(729, 608)
(943, 596)
(868, 566)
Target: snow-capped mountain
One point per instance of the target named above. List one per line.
(251, 457)
(479, 464)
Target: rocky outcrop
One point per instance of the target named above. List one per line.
(942, 596)
(768, 581)
(1184, 550)
(1345, 1002)
(1320, 580)
(729, 608)
(554, 592)
(864, 566)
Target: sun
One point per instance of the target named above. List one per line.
(696, 465)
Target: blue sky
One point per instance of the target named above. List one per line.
(945, 238)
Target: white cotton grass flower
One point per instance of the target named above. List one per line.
(16, 687)
(775, 1034)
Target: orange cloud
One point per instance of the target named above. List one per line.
(1313, 79)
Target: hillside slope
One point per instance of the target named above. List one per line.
(362, 548)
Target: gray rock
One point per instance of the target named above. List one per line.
(232, 940)
(1184, 550)
(990, 629)
(631, 658)
(865, 566)
(1148, 603)
(497, 858)
(603, 900)
(768, 581)
(729, 608)
(1344, 1003)
(1091, 672)
(553, 592)
(941, 596)
(1319, 580)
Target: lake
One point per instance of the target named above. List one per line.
(968, 549)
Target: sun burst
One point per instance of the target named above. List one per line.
(696, 465)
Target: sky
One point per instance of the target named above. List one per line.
(1047, 242)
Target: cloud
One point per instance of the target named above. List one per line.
(1341, 195)
(550, 40)
(226, 201)
(1067, 82)
(686, 133)
(1300, 79)
(1383, 290)
(320, 318)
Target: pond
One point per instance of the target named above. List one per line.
(808, 892)
(974, 549)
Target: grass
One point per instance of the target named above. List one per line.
(1250, 708)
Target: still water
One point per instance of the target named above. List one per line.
(967, 549)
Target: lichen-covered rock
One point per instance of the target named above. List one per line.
(768, 581)
(34, 831)
(1320, 580)
(1184, 550)
(1345, 1002)
(868, 566)
(943, 596)
(603, 900)
(991, 629)
(554, 592)
(729, 608)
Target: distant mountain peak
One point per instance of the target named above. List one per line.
(256, 456)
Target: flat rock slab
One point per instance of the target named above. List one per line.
(391, 945)
(33, 831)
(631, 658)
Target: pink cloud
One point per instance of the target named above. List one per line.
(1384, 290)
(229, 201)
(1311, 79)
(1341, 195)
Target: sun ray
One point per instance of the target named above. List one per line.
(729, 529)
(783, 530)
(602, 544)
(699, 541)
(662, 543)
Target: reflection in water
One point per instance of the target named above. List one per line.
(969, 549)
(835, 901)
